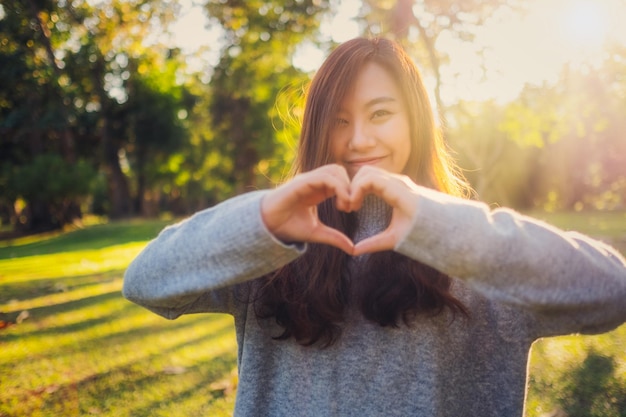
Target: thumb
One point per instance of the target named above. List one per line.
(329, 236)
(378, 243)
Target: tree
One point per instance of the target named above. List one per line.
(78, 81)
(35, 119)
(153, 125)
(500, 170)
(255, 66)
(557, 147)
(419, 24)
(111, 36)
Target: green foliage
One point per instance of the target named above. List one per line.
(155, 129)
(47, 181)
(580, 163)
(48, 177)
(557, 147)
(499, 169)
(78, 80)
(243, 95)
(82, 84)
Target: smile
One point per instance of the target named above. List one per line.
(365, 161)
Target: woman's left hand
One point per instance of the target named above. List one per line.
(399, 191)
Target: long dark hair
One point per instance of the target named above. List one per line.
(308, 297)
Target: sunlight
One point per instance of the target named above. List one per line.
(515, 49)
(70, 264)
(342, 27)
(585, 23)
(339, 27)
(308, 57)
(531, 48)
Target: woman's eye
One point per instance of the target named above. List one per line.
(380, 113)
(340, 122)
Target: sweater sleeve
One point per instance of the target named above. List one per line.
(197, 264)
(569, 282)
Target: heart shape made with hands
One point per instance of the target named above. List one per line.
(290, 211)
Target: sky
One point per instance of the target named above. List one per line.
(517, 49)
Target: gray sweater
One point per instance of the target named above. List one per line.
(520, 279)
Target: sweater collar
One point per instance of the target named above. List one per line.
(373, 217)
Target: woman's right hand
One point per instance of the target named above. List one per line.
(290, 211)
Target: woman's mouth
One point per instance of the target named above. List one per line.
(357, 162)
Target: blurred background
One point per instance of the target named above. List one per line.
(119, 117)
(144, 107)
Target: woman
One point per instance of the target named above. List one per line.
(366, 285)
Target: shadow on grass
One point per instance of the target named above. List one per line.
(39, 287)
(130, 335)
(594, 389)
(210, 373)
(137, 367)
(41, 313)
(128, 391)
(121, 313)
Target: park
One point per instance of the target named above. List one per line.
(85, 350)
(109, 133)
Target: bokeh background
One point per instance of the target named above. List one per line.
(118, 117)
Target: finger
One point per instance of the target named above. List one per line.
(329, 236)
(341, 182)
(378, 243)
(396, 190)
(343, 204)
(316, 186)
(366, 182)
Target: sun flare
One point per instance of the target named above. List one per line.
(508, 51)
(585, 23)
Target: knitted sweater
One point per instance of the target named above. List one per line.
(519, 278)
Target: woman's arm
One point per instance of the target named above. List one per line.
(574, 282)
(192, 266)
(195, 265)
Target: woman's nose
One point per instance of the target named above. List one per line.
(361, 138)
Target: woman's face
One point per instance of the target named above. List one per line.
(372, 125)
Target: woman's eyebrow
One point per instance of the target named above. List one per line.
(373, 102)
(378, 100)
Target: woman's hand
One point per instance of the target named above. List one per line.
(399, 191)
(290, 211)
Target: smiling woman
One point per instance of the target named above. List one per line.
(372, 125)
(366, 285)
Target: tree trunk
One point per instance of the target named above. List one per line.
(39, 218)
(119, 193)
(141, 181)
(246, 156)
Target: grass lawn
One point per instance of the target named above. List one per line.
(72, 346)
(84, 350)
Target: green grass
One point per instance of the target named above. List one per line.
(84, 350)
